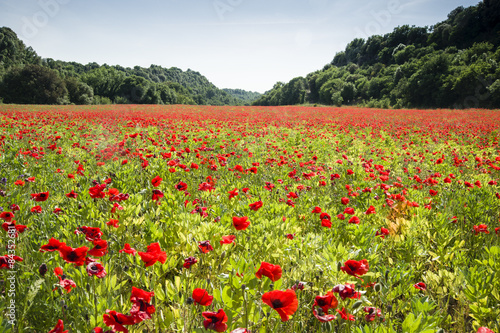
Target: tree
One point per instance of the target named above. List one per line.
(79, 92)
(33, 84)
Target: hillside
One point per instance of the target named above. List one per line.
(453, 64)
(100, 84)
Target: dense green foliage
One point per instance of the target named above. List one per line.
(453, 64)
(103, 84)
(247, 96)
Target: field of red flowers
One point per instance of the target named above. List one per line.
(249, 219)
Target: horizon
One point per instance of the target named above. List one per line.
(235, 44)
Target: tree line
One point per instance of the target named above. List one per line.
(26, 78)
(453, 64)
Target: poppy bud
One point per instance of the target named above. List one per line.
(339, 264)
(389, 308)
(357, 305)
(386, 275)
(42, 269)
(63, 276)
(208, 281)
(378, 287)
(271, 286)
(189, 301)
(243, 287)
(125, 268)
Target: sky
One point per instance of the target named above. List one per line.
(244, 44)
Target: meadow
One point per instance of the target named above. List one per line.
(132, 218)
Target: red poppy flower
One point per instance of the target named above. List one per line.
(116, 320)
(372, 313)
(256, 205)
(6, 261)
(127, 249)
(36, 209)
(141, 295)
(355, 268)
(72, 194)
(156, 181)
(19, 182)
(344, 200)
(341, 216)
(181, 186)
(321, 316)
(284, 302)
(113, 223)
(14, 207)
(202, 297)
(329, 301)
(316, 210)
(205, 246)
(227, 239)
(432, 192)
(157, 195)
(484, 330)
(370, 210)
(240, 330)
(59, 328)
(12, 225)
(57, 211)
(97, 269)
(345, 315)
(420, 286)
(96, 192)
(481, 228)
(325, 216)
(100, 248)
(354, 220)
(349, 211)
(346, 291)
(273, 272)
(66, 284)
(141, 308)
(91, 234)
(75, 256)
(290, 236)
(52, 246)
(42, 196)
(190, 261)
(240, 223)
(215, 321)
(326, 223)
(153, 254)
(382, 232)
(233, 193)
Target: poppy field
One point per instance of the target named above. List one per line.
(129, 218)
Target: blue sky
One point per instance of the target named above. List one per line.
(246, 44)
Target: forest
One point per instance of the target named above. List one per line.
(453, 64)
(26, 78)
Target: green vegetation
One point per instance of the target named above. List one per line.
(452, 64)
(22, 71)
(247, 96)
